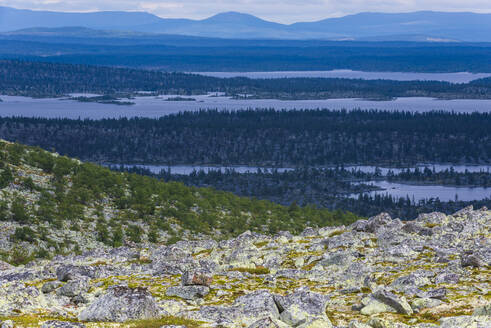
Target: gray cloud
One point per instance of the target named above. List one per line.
(285, 11)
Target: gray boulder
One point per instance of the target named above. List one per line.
(400, 304)
(472, 260)
(188, 292)
(259, 303)
(438, 293)
(51, 286)
(72, 272)
(245, 311)
(121, 304)
(302, 307)
(372, 224)
(447, 278)
(73, 288)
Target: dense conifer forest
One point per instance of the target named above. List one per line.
(265, 138)
(333, 188)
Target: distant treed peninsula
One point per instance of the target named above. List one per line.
(41, 79)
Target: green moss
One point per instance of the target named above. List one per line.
(336, 233)
(256, 270)
(311, 265)
(203, 252)
(261, 244)
(34, 320)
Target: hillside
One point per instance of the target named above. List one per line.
(377, 273)
(52, 204)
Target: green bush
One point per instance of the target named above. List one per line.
(118, 237)
(19, 212)
(134, 233)
(24, 234)
(6, 177)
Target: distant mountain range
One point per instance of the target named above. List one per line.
(415, 26)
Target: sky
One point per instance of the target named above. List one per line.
(282, 11)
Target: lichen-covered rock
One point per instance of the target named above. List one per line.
(316, 323)
(73, 272)
(367, 273)
(483, 311)
(472, 260)
(465, 322)
(121, 304)
(374, 306)
(51, 286)
(4, 266)
(16, 296)
(7, 324)
(424, 303)
(305, 300)
(190, 278)
(267, 322)
(400, 304)
(62, 324)
(188, 292)
(245, 310)
(73, 288)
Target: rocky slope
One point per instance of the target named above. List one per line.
(51, 204)
(379, 273)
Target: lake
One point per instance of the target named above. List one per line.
(397, 190)
(461, 77)
(421, 192)
(154, 107)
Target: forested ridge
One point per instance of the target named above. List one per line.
(39, 79)
(43, 191)
(265, 137)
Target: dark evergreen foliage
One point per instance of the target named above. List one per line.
(265, 137)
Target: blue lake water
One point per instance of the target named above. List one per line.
(153, 107)
(416, 192)
(421, 192)
(461, 77)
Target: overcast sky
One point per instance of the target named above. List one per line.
(283, 11)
